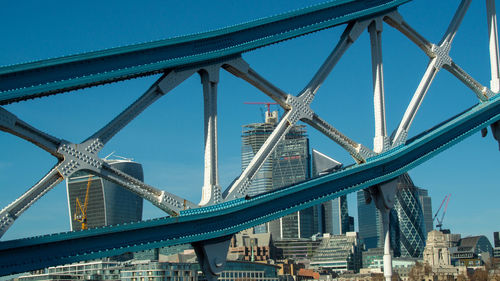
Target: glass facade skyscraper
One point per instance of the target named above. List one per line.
(340, 213)
(288, 164)
(332, 216)
(108, 203)
(407, 221)
(253, 137)
(426, 202)
(369, 222)
(291, 165)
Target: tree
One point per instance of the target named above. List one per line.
(420, 271)
(380, 277)
(479, 275)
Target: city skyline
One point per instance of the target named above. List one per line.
(42, 30)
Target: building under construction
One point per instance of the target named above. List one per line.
(288, 164)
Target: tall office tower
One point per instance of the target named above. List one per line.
(496, 244)
(406, 221)
(369, 222)
(108, 203)
(426, 203)
(253, 137)
(291, 164)
(288, 164)
(332, 216)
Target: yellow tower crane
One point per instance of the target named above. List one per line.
(81, 211)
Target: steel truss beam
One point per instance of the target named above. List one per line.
(439, 58)
(296, 108)
(83, 157)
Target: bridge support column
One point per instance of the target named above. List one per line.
(494, 54)
(383, 197)
(212, 256)
(381, 141)
(211, 190)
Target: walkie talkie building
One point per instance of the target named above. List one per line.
(108, 203)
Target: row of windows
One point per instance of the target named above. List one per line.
(157, 273)
(82, 267)
(242, 274)
(168, 278)
(255, 279)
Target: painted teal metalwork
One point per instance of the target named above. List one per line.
(42, 78)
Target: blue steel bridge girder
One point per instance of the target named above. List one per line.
(41, 78)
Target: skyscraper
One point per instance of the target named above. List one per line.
(108, 203)
(333, 216)
(425, 201)
(369, 222)
(291, 165)
(406, 221)
(253, 137)
(288, 164)
(496, 244)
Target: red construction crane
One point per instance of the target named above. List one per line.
(259, 102)
(440, 221)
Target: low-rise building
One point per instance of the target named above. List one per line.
(241, 270)
(92, 270)
(307, 274)
(436, 252)
(339, 253)
(247, 246)
(371, 256)
(160, 271)
(472, 251)
(297, 249)
(171, 271)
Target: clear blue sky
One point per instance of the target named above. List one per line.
(168, 137)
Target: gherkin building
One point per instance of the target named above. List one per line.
(407, 221)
